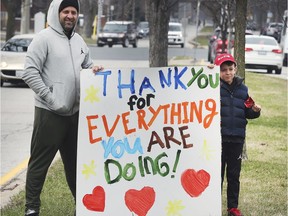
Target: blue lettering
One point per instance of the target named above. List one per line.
(145, 85)
(130, 86)
(118, 148)
(178, 76)
(163, 79)
(105, 74)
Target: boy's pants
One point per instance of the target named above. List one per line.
(51, 133)
(231, 160)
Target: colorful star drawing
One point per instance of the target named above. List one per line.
(207, 151)
(91, 94)
(174, 208)
(89, 169)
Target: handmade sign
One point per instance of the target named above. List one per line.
(149, 142)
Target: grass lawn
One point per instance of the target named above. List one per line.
(264, 174)
(263, 177)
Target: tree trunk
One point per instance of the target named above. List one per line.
(239, 42)
(158, 18)
(88, 8)
(12, 7)
(239, 45)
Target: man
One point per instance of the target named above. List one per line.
(52, 70)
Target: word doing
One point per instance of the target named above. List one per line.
(128, 171)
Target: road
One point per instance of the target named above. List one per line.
(17, 108)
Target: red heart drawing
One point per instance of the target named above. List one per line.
(96, 200)
(194, 183)
(141, 201)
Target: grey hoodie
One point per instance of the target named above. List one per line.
(53, 65)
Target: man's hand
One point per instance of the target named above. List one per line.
(97, 68)
(210, 66)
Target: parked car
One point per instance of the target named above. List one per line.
(175, 34)
(143, 29)
(118, 32)
(251, 25)
(274, 30)
(263, 52)
(213, 37)
(216, 47)
(13, 55)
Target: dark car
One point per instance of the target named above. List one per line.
(251, 25)
(143, 29)
(273, 29)
(118, 32)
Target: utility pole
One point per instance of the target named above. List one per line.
(100, 11)
(197, 21)
(133, 10)
(25, 17)
(197, 16)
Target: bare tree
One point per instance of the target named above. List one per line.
(88, 8)
(123, 9)
(158, 17)
(222, 13)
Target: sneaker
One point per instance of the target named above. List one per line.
(234, 212)
(31, 212)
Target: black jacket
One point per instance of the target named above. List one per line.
(234, 114)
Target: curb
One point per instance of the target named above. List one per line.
(187, 62)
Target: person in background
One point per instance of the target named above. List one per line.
(54, 60)
(236, 108)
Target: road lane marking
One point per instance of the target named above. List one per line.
(11, 174)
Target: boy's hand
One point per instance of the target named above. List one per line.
(256, 108)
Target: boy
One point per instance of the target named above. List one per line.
(236, 108)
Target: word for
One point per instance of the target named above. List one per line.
(173, 114)
(141, 102)
(203, 80)
(170, 78)
(128, 171)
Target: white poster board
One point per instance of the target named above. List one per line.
(149, 142)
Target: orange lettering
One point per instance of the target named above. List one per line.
(125, 123)
(175, 112)
(197, 111)
(209, 118)
(91, 128)
(109, 132)
(141, 119)
(155, 113)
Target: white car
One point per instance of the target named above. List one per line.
(13, 55)
(263, 52)
(175, 34)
